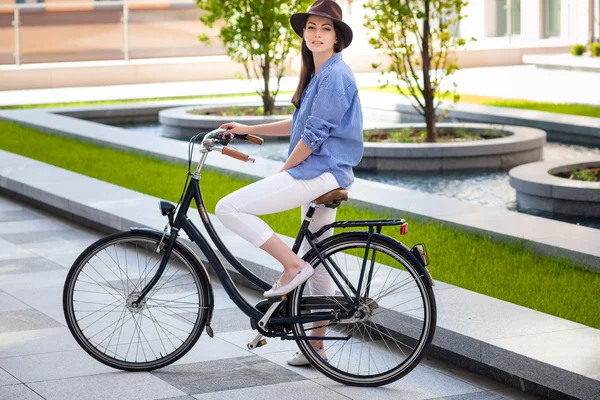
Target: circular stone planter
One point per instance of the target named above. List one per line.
(520, 145)
(178, 123)
(538, 189)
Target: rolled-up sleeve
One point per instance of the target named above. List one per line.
(328, 108)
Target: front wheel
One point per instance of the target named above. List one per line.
(393, 323)
(104, 283)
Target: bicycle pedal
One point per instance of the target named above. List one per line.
(277, 299)
(257, 342)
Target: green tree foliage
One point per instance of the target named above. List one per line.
(420, 38)
(258, 35)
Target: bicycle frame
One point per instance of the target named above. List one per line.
(181, 221)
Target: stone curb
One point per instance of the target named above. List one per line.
(538, 189)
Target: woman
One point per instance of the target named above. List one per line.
(325, 143)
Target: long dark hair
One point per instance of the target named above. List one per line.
(308, 63)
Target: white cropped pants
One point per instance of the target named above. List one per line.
(238, 212)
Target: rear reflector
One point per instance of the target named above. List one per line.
(404, 228)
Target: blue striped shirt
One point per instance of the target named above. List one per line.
(330, 122)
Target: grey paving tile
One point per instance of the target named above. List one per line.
(207, 349)
(25, 320)
(422, 383)
(462, 374)
(222, 299)
(33, 280)
(515, 394)
(280, 359)
(289, 391)
(9, 303)
(48, 236)
(46, 300)
(17, 215)
(235, 373)
(75, 246)
(36, 342)
(181, 398)
(42, 223)
(27, 265)
(8, 204)
(64, 260)
(18, 392)
(229, 319)
(473, 396)
(51, 366)
(121, 385)
(7, 379)
(9, 251)
(274, 345)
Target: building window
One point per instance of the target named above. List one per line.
(453, 23)
(515, 17)
(508, 17)
(551, 12)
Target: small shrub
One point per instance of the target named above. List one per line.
(595, 49)
(589, 175)
(578, 49)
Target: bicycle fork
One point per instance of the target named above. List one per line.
(161, 267)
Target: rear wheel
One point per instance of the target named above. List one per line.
(106, 280)
(395, 320)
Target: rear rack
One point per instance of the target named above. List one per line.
(371, 223)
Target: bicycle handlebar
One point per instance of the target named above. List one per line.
(250, 138)
(220, 137)
(238, 155)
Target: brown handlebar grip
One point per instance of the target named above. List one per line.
(255, 139)
(238, 155)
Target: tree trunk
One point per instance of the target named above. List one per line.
(430, 118)
(430, 121)
(591, 27)
(268, 100)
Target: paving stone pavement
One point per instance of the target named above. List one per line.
(39, 359)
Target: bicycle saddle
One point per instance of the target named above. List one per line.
(334, 198)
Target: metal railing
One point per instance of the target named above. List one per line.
(97, 5)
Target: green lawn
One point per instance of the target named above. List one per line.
(505, 271)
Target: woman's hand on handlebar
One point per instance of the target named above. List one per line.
(234, 127)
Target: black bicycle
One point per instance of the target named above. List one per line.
(139, 300)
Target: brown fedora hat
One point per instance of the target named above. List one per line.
(323, 8)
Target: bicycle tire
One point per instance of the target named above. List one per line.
(408, 331)
(103, 282)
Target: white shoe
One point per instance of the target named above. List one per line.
(298, 359)
(279, 290)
